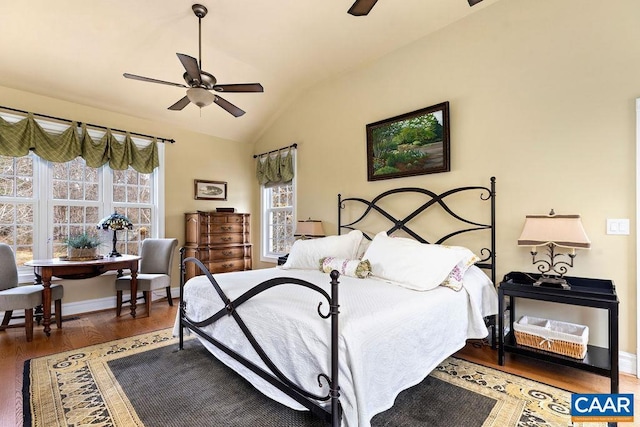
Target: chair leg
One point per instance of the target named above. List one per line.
(28, 323)
(147, 301)
(169, 296)
(58, 308)
(39, 314)
(6, 319)
(118, 303)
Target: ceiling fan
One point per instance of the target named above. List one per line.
(363, 7)
(199, 82)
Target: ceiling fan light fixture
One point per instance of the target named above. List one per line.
(199, 96)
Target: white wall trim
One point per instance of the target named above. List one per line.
(637, 233)
(98, 304)
(628, 363)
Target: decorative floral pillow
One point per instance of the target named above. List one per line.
(454, 280)
(348, 267)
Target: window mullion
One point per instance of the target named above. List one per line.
(106, 179)
(43, 215)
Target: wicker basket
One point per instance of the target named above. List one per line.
(567, 339)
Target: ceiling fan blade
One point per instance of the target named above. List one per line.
(474, 2)
(180, 104)
(150, 80)
(363, 7)
(235, 111)
(239, 87)
(191, 65)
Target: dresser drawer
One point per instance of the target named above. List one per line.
(224, 253)
(227, 219)
(225, 228)
(229, 265)
(223, 239)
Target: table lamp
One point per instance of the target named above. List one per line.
(563, 231)
(309, 229)
(115, 222)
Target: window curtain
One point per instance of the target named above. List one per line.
(17, 139)
(275, 169)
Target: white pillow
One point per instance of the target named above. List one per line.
(306, 254)
(409, 263)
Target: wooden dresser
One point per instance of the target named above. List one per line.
(220, 240)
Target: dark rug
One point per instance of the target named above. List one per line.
(146, 381)
(232, 401)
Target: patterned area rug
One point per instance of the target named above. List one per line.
(100, 385)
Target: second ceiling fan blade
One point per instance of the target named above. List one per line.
(180, 104)
(150, 80)
(362, 7)
(191, 65)
(228, 106)
(239, 87)
(474, 2)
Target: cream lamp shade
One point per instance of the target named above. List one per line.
(309, 228)
(199, 96)
(565, 231)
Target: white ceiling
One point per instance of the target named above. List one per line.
(77, 50)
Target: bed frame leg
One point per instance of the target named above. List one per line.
(334, 390)
(181, 307)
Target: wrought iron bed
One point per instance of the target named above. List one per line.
(331, 414)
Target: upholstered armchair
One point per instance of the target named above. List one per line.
(14, 297)
(154, 272)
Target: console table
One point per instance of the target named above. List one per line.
(44, 269)
(584, 292)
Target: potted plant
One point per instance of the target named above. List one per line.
(82, 246)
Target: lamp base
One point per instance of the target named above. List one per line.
(552, 282)
(114, 253)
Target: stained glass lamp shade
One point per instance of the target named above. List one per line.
(115, 222)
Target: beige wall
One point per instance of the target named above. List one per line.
(542, 97)
(193, 156)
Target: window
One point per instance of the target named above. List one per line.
(42, 202)
(278, 219)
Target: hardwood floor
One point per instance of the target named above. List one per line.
(98, 327)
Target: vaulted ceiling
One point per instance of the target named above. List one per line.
(77, 51)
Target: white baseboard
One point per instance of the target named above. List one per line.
(87, 306)
(107, 303)
(628, 363)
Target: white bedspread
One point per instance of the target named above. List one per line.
(390, 337)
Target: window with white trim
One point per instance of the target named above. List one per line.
(278, 215)
(42, 202)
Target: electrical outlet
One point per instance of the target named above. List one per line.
(618, 226)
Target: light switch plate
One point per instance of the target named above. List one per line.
(618, 226)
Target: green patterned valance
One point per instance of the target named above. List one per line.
(275, 169)
(17, 139)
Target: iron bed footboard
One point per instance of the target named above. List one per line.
(274, 375)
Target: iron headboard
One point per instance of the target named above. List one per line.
(486, 194)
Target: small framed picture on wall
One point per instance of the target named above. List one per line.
(210, 190)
